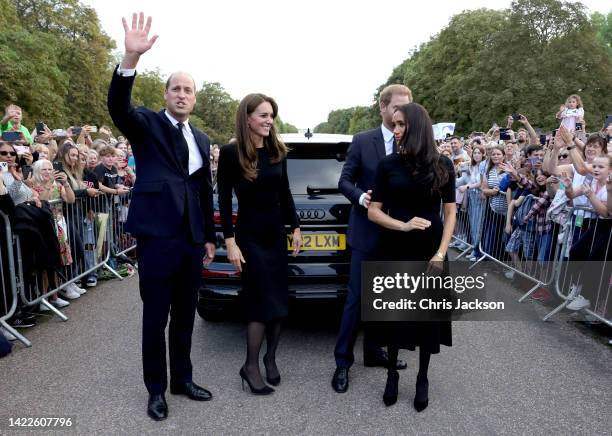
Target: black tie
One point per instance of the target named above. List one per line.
(182, 150)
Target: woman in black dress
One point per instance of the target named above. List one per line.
(409, 188)
(256, 170)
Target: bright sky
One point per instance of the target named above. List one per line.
(311, 56)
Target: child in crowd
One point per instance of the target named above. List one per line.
(594, 244)
(571, 112)
(106, 172)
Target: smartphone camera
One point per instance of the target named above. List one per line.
(76, 131)
(542, 139)
(516, 117)
(11, 136)
(58, 166)
(578, 127)
(504, 135)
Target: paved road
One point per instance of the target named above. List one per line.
(498, 378)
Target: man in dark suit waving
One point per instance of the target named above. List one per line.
(171, 215)
(356, 182)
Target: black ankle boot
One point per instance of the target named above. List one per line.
(390, 395)
(421, 398)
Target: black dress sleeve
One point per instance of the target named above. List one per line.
(286, 200)
(447, 191)
(381, 179)
(226, 178)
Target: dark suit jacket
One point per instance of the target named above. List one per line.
(357, 177)
(164, 191)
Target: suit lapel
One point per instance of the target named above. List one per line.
(171, 152)
(379, 143)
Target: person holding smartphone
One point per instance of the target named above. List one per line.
(11, 122)
(13, 177)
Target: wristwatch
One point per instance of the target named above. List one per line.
(440, 255)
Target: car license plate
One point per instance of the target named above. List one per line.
(320, 241)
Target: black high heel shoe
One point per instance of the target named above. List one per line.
(390, 395)
(274, 381)
(421, 398)
(266, 390)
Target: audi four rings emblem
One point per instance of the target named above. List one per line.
(311, 213)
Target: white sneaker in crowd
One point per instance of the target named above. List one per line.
(69, 293)
(509, 274)
(58, 302)
(76, 288)
(578, 303)
(43, 308)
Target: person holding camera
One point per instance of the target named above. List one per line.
(525, 135)
(176, 240)
(11, 122)
(15, 180)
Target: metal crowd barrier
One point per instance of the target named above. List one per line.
(94, 229)
(9, 279)
(520, 251)
(481, 229)
(584, 268)
(123, 241)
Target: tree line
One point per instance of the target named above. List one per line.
(486, 64)
(56, 63)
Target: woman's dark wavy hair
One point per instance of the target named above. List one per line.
(418, 149)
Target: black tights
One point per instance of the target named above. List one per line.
(256, 331)
(424, 356)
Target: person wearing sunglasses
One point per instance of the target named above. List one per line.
(13, 177)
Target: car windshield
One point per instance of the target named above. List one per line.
(315, 165)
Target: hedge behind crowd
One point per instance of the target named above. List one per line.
(487, 64)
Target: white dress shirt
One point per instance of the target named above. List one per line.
(195, 158)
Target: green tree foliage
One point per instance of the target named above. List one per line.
(282, 127)
(149, 90)
(487, 64)
(56, 62)
(603, 27)
(69, 54)
(217, 110)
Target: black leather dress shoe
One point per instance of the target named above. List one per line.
(157, 408)
(340, 381)
(382, 360)
(192, 391)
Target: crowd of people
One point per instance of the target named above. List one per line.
(515, 191)
(60, 181)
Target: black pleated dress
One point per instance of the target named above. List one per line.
(265, 206)
(405, 196)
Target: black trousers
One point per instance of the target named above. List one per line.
(170, 274)
(351, 317)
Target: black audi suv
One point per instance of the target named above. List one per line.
(320, 271)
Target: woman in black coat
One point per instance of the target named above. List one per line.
(255, 168)
(409, 189)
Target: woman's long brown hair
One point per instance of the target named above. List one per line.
(247, 153)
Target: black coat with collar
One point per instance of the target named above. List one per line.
(164, 192)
